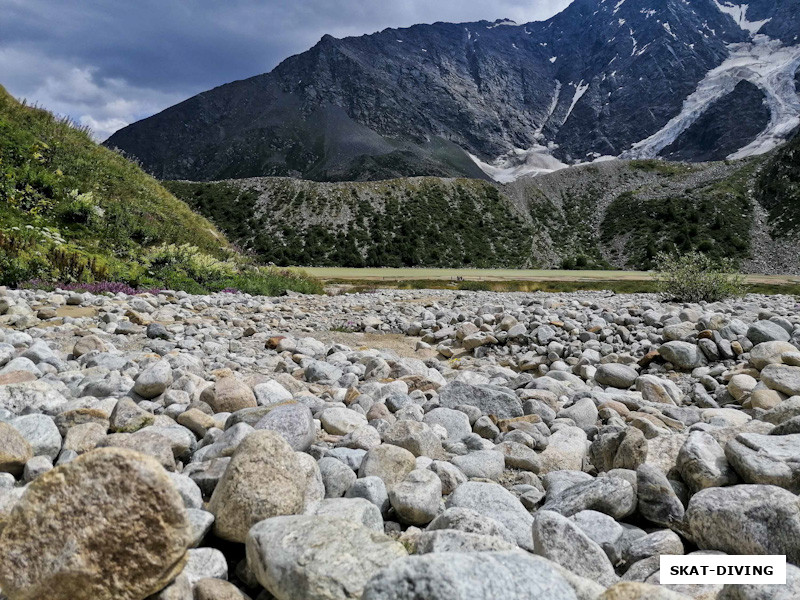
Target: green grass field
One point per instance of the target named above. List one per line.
(522, 280)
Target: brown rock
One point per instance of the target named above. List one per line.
(217, 589)
(264, 479)
(66, 420)
(229, 394)
(196, 421)
(649, 358)
(272, 343)
(150, 443)
(506, 425)
(629, 590)
(15, 451)
(88, 344)
(84, 437)
(109, 525)
(16, 377)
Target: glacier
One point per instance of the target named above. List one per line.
(764, 62)
(517, 163)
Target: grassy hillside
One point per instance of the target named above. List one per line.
(616, 214)
(72, 211)
(778, 188)
(395, 223)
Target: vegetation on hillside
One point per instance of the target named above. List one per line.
(713, 219)
(396, 223)
(778, 188)
(72, 211)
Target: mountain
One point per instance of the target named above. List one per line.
(630, 78)
(617, 214)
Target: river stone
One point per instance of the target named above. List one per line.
(483, 464)
(490, 399)
(229, 394)
(494, 501)
(15, 451)
(294, 422)
(658, 502)
(630, 590)
(341, 421)
(417, 497)
(746, 519)
(702, 463)
(263, 479)
(616, 375)
(390, 463)
(154, 380)
(471, 521)
(107, 526)
(562, 541)
(767, 459)
(769, 353)
(317, 557)
(767, 331)
(358, 510)
(452, 540)
(89, 343)
(470, 576)
(684, 355)
(609, 495)
(31, 397)
(217, 589)
(782, 378)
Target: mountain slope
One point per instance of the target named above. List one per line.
(73, 212)
(613, 213)
(602, 78)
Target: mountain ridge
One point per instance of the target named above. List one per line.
(447, 99)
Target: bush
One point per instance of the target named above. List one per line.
(694, 277)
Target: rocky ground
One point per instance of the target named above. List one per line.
(392, 446)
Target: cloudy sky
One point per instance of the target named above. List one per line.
(107, 63)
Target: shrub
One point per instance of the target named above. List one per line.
(694, 277)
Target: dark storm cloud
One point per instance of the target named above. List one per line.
(106, 63)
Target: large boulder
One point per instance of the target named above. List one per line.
(31, 397)
(229, 394)
(746, 519)
(767, 331)
(494, 501)
(769, 353)
(15, 451)
(684, 355)
(389, 463)
(317, 557)
(562, 541)
(417, 497)
(702, 463)
(616, 375)
(768, 459)
(109, 525)
(470, 576)
(294, 422)
(264, 479)
(782, 378)
(490, 399)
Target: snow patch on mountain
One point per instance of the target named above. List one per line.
(580, 90)
(763, 62)
(519, 163)
(739, 14)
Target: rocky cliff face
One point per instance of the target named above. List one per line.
(602, 78)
